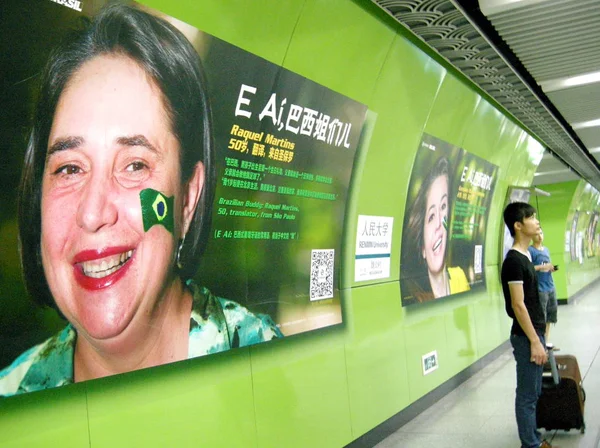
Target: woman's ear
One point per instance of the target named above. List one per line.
(192, 192)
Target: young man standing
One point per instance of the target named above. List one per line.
(540, 256)
(520, 288)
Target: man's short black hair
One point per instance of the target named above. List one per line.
(517, 212)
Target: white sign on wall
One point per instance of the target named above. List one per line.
(373, 247)
(579, 247)
(429, 362)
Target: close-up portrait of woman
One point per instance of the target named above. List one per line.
(115, 209)
(425, 273)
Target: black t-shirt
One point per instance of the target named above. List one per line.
(518, 268)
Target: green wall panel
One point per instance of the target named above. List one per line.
(200, 402)
(484, 131)
(492, 325)
(327, 387)
(509, 139)
(337, 44)
(301, 391)
(56, 417)
(454, 107)
(264, 28)
(534, 151)
(567, 198)
(552, 212)
(581, 273)
(460, 336)
(424, 332)
(352, 203)
(402, 99)
(492, 136)
(375, 356)
(524, 161)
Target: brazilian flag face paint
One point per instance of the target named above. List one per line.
(445, 222)
(157, 209)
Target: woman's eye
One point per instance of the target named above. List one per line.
(444, 206)
(68, 170)
(132, 173)
(431, 217)
(136, 166)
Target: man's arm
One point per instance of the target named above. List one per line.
(542, 267)
(517, 300)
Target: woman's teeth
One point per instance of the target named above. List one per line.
(437, 244)
(106, 266)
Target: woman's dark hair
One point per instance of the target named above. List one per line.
(517, 212)
(413, 266)
(171, 62)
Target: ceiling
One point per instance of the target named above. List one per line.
(536, 58)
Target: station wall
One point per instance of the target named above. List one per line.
(328, 387)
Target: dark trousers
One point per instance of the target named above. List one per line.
(529, 389)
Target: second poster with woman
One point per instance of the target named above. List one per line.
(445, 221)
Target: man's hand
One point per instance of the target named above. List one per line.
(538, 353)
(546, 267)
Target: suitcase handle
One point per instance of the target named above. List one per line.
(553, 366)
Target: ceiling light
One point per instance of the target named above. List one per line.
(586, 124)
(571, 81)
(489, 7)
(547, 173)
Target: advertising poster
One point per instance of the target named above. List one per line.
(177, 199)
(590, 235)
(445, 221)
(579, 248)
(574, 237)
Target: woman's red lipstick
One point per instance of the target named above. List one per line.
(94, 284)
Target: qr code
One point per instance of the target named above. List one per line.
(321, 274)
(477, 256)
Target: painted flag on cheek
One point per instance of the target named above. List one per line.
(157, 209)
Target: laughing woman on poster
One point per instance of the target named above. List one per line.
(430, 277)
(115, 208)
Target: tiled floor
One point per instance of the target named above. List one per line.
(480, 413)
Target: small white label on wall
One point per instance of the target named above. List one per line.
(429, 362)
(477, 258)
(373, 247)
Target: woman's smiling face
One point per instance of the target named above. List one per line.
(110, 139)
(434, 230)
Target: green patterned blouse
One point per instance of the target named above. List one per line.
(216, 325)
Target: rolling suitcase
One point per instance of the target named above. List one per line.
(561, 405)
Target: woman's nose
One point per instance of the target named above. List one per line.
(97, 208)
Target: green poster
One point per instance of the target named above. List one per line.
(177, 196)
(445, 222)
